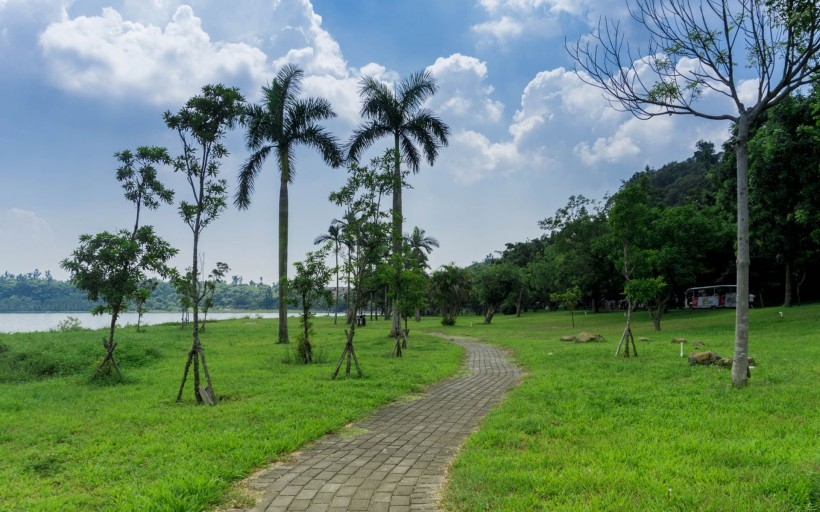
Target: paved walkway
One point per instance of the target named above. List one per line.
(397, 462)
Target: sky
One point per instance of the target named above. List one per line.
(81, 80)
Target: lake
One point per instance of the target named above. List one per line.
(34, 322)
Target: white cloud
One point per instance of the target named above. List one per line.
(109, 56)
(502, 28)
(300, 39)
(464, 96)
(472, 157)
(519, 19)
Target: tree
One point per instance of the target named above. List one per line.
(496, 285)
(420, 246)
(309, 288)
(215, 278)
(146, 288)
(278, 125)
(569, 299)
(784, 183)
(110, 267)
(525, 256)
(578, 234)
(334, 236)
(138, 175)
(696, 48)
(201, 125)
(399, 113)
(450, 285)
(364, 234)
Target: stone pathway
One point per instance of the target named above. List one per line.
(397, 462)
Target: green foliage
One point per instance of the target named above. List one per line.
(33, 292)
(450, 286)
(110, 267)
(398, 112)
(496, 285)
(308, 290)
(580, 248)
(568, 299)
(71, 323)
(202, 124)
(784, 183)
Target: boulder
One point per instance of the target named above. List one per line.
(586, 337)
(704, 358)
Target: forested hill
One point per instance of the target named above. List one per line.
(686, 182)
(40, 293)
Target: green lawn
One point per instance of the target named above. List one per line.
(67, 444)
(590, 431)
(585, 430)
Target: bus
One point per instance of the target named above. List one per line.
(711, 297)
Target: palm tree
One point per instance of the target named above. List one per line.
(399, 112)
(281, 122)
(419, 244)
(334, 235)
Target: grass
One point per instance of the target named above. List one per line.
(590, 431)
(585, 430)
(69, 443)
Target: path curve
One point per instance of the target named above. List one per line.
(397, 463)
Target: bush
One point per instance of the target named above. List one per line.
(448, 320)
(71, 323)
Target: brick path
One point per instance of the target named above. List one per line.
(397, 462)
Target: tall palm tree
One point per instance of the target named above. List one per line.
(278, 125)
(333, 235)
(399, 112)
(419, 244)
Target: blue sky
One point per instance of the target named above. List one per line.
(84, 79)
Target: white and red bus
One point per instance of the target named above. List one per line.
(711, 297)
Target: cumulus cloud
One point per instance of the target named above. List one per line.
(517, 19)
(472, 157)
(299, 38)
(109, 56)
(464, 94)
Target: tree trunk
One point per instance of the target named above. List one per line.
(336, 304)
(518, 302)
(787, 295)
(488, 316)
(397, 236)
(740, 359)
(658, 315)
(283, 249)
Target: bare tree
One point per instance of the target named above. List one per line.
(699, 48)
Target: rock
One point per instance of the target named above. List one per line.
(704, 358)
(697, 344)
(644, 339)
(586, 337)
